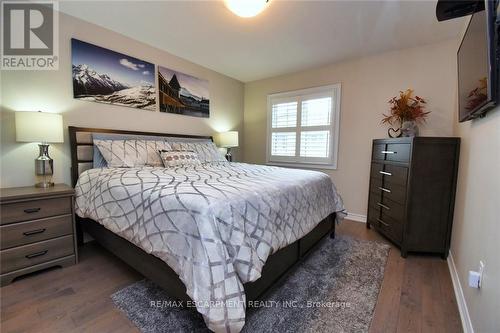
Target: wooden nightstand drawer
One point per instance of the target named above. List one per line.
(34, 209)
(36, 253)
(22, 233)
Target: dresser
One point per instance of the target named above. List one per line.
(37, 230)
(412, 192)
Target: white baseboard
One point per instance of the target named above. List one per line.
(356, 217)
(459, 294)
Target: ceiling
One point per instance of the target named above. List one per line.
(288, 36)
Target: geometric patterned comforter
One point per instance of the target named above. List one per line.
(215, 224)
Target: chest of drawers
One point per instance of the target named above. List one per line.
(412, 192)
(36, 230)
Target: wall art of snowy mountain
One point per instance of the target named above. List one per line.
(105, 76)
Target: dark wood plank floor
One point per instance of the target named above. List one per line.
(416, 294)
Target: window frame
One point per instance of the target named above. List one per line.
(333, 91)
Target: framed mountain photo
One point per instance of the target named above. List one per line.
(105, 76)
(182, 93)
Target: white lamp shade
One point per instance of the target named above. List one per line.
(39, 127)
(228, 139)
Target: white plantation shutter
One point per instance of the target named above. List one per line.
(315, 144)
(303, 127)
(283, 144)
(317, 111)
(284, 115)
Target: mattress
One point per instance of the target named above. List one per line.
(215, 225)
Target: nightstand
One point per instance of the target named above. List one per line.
(37, 230)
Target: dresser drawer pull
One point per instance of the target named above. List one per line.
(32, 210)
(383, 222)
(37, 254)
(388, 152)
(34, 232)
(384, 189)
(385, 173)
(383, 206)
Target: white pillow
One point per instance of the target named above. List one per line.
(172, 158)
(131, 153)
(207, 151)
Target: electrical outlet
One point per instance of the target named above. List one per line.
(481, 271)
(476, 278)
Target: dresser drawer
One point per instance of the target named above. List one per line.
(393, 192)
(390, 227)
(398, 152)
(373, 215)
(392, 209)
(376, 170)
(377, 150)
(36, 253)
(34, 209)
(17, 234)
(375, 184)
(395, 174)
(374, 197)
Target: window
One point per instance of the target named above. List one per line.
(303, 127)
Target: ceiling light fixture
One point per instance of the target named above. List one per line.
(246, 8)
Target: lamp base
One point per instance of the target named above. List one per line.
(229, 157)
(44, 184)
(44, 167)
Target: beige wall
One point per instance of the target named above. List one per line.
(476, 225)
(367, 85)
(52, 91)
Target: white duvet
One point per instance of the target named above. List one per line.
(214, 225)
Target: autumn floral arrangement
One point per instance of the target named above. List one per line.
(407, 110)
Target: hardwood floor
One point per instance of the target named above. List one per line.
(416, 294)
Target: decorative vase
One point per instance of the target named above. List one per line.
(409, 128)
(394, 133)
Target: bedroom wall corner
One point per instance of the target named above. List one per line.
(52, 91)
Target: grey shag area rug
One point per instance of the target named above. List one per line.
(334, 290)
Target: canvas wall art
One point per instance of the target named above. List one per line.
(105, 76)
(182, 94)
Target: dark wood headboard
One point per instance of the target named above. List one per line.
(82, 147)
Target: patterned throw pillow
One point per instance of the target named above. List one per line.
(131, 153)
(207, 151)
(172, 158)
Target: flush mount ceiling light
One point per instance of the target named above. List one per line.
(246, 8)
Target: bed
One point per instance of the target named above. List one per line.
(219, 234)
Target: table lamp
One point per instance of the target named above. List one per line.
(44, 128)
(228, 140)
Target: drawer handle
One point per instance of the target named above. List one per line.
(37, 254)
(388, 152)
(32, 210)
(384, 189)
(385, 173)
(383, 222)
(34, 232)
(383, 206)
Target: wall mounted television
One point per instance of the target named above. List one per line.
(478, 63)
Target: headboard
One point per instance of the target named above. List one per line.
(82, 146)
